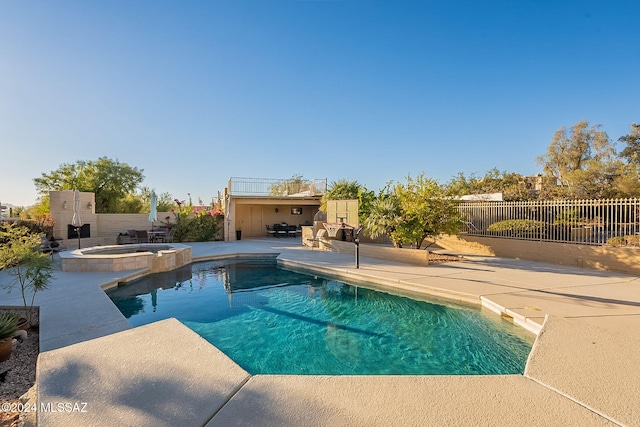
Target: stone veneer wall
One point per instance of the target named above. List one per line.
(175, 257)
(106, 264)
(624, 260)
(308, 238)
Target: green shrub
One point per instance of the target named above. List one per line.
(568, 217)
(196, 223)
(40, 224)
(203, 228)
(633, 240)
(518, 228)
(618, 241)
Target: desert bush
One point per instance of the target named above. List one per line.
(618, 241)
(529, 228)
(196, 223)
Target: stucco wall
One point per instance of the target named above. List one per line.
(110, 225)
(389, 253)
(61, 209)
(625, 260)
(104, 228)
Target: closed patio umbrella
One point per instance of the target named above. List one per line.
(153, 213)
(76, 221)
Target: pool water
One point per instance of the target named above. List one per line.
(273, 321)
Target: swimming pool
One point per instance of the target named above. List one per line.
(273, 321)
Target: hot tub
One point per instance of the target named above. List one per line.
(156, 257)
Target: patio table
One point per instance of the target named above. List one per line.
(156, 236)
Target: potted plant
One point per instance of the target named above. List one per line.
(8, 328)
(30, 268)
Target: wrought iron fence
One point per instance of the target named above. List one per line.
(292, 187)
(587, 222)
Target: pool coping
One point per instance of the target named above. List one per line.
(561, 390)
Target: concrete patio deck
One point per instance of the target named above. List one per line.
(583, 369)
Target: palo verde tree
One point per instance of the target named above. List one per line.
(426, 210)
(569, 150)
(110, 180)
(513, 186)
(627, 184)
(632, 151)
(582, 160)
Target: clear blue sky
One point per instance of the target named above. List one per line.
(196, 92)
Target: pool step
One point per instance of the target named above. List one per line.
(525, 322)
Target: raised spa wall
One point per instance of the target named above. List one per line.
(175, 256)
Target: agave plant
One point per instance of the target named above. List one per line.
(8, 326)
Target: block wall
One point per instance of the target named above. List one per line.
(624, 260)
(388, 253)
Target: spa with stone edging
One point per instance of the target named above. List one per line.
(156, 257)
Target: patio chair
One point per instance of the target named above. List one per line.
(47, 248)
(270, 231)
(291, 230)
(281, 231)
(162, 238)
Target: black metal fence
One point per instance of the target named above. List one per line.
(590, 222)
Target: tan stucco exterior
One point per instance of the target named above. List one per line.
(250, 215)
(104, 228)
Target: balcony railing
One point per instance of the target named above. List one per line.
(292, 187)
